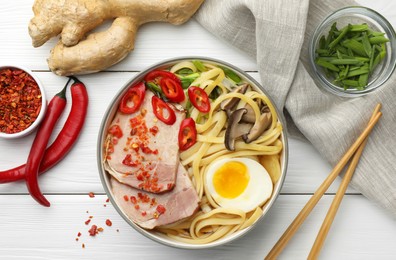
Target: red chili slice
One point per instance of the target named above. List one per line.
(133, 98)
(199, 99)
(187, 134)
(172, 90)
(157, 75)
(162, 111)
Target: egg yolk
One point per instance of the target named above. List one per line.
(231, 179)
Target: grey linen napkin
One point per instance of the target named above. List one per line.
(276, 33)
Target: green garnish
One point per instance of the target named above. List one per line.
(231, 75)
(348, 56)
(187, 80)
(216, 92)
(199, 65)
(156, 90)
(184, 71)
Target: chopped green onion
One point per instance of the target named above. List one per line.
(231, 75)
(366, 44)
(199, 65)
(355, 46)
(216, 92)
(156, 90)
(184, 71)
(327, 65)
(378, 40)
(348, 56)
(187, 80)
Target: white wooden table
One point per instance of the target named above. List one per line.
(361, 229)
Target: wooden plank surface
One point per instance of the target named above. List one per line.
(360, 232)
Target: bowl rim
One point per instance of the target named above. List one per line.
(363, 11)
(104, 176)
(43, 108)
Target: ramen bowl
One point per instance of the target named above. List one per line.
(106, 177)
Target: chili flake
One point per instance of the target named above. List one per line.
(93, 231)
(108, 222)
(20, 100)
(91, 195)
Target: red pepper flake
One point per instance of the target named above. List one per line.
(79, 234)
(91, 195)
(83, 245)
(90, 216)
(93, 230)
(161, 209)
(100, 229)
(116, 131)
(137, 206)
(144, 213)
(107, 200)
(20, 100)
(76, 238)
(108, 222)
(126, 198)
(154, 130)
(87, 222)
(133, 199)
(128, 161)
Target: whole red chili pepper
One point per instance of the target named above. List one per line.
(65, 139)
(55, 109)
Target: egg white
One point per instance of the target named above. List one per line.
(256, 193)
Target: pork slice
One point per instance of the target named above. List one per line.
(150, 210)
(147, 155)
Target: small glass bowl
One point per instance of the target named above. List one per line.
(43, 108)
(355, 15)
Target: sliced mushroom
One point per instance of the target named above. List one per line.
(249, 116)
(229, 104)
(235, 129)
(258, 128)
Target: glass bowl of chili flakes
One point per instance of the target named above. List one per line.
(22, 101)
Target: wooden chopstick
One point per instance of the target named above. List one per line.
(328, 221)
(291, 230)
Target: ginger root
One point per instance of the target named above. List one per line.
(72, 19)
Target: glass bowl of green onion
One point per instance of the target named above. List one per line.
(352, 52)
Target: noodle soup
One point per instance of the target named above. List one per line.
(228, 140)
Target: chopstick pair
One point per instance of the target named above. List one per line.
(355, 150)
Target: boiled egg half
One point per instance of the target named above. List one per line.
(238, 183)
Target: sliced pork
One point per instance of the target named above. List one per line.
(150, 210)
(142, 151)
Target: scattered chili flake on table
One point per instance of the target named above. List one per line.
(20, 100)
(91, 195)
(93, 230)
(108, 222)
(87, 222)
(83, 245)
